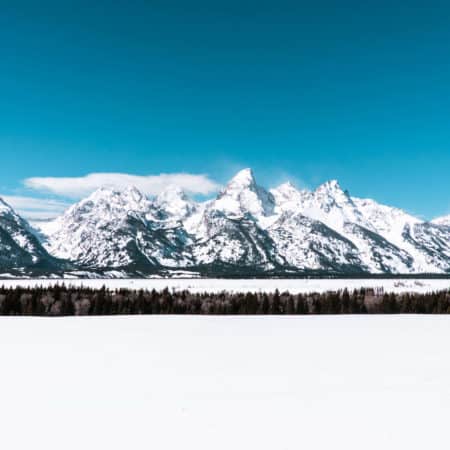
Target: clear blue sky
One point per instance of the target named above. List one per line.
(358, 91)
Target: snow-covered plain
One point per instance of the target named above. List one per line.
(323, 382)
(245, 285)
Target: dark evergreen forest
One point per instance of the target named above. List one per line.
(65, 300)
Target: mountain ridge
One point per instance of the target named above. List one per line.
(244, 229)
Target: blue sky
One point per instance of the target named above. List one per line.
(306, 91)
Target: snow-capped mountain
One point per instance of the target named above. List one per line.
(379, 232)
(237, 243)
(228, 230)
(116, 230)
(174, 203)
(243, 196)
(20, 250)
(244, 230)
(308, 244)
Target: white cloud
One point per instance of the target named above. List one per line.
(77, 187)
(36, 208)
(21, 202)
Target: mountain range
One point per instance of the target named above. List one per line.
(245, 231)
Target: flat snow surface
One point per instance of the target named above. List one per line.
(266, 285)
(378, 382)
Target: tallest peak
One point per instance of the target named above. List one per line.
(245, 177)
(242, 195)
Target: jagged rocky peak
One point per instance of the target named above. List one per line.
(289, 198)
(288, 192)
(286, 189)
(332, 187)
(128, 193)
(331, 193)
(171, 193)
(174, 202)
(243, 195)
(114, 199)
(244, 178)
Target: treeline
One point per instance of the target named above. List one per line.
(64, 300)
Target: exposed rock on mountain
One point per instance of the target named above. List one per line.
(116, 229)
(21, 253)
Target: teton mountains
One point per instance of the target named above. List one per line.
(245, 231)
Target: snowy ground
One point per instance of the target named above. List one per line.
(154, 382)
(217, 285)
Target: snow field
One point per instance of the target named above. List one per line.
(203, 383)
(245, 285)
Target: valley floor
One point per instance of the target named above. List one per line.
(316, 382)
(294, 286)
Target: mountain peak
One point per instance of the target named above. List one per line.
(287, 192)
(288, 185)
(107, 192)
(174, 202)
(244, 177)
(171, 192)
(101, 193)
(287, 188)
(109, 202)
(288, 197)
(330, 186)
(242, 195)
(333, 190)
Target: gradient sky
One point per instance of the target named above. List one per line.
(307, 91)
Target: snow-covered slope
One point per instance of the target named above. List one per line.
(115, 229)
(330, 205)
(228, 232)
(308, 244)
(20, 250)
(233, 241)
(245, 230)
(384, 236)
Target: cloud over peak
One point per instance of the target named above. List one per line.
(77, 187)
(36, 208)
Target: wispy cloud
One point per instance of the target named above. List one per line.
(77, 187)
(36, 208)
